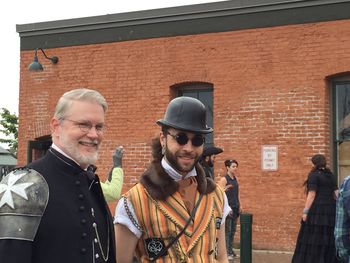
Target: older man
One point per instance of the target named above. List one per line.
(54, 210)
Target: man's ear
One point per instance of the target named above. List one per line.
(55, 126)
(162, 138)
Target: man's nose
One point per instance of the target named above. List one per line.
(188, 146)
(93, 132)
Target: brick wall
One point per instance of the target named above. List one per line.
(269, 89)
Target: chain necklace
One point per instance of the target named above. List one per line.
(94, 225)
(131, 217)
(53, 153)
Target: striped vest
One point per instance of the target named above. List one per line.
(163, 220)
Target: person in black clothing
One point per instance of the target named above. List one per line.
(315, 242)
(208, 159)
(230, 184)
(53, 210)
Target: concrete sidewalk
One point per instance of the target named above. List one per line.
(266, 256)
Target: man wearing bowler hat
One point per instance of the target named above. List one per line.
(175, 213)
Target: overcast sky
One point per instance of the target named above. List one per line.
(24, 12)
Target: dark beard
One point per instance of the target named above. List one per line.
(171, 158)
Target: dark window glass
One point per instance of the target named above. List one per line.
(203, 92)
(341, 128)
(343, 111)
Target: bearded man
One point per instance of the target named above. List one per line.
(175, 213)
(53, 210)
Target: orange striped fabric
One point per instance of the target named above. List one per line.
(165, 219)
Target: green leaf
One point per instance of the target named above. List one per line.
(9, 127)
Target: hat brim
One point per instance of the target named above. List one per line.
(163, 122)
(212, 150)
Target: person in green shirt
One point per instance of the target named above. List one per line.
(112, 187)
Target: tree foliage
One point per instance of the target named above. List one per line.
(9, 127)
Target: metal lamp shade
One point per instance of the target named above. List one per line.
(35, 65)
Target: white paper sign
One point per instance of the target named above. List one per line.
(269, 157)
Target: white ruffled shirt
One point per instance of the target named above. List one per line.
(121, 216)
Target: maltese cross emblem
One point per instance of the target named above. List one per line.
(12, 187)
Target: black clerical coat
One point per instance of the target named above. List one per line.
(66, 233)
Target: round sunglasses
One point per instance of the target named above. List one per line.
(182, 139)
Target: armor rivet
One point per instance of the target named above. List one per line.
(19, 229)
(97, 256)
(95, 240)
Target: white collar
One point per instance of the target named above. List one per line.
(54, 146)
(175, 174)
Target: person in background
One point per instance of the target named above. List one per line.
(342, 222)
(175, 213)
(208, 159)
(230, 185)
(112, 187)
(315, 242)
(53, 210)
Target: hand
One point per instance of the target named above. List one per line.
(228, 187)
(304, 217)
(118, 156)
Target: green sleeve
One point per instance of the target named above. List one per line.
(112, 189)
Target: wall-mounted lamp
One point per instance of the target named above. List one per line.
(36, 66)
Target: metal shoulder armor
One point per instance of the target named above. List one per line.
(24, 194)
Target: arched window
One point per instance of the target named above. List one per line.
(38, 147)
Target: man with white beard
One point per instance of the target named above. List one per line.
(53, 210)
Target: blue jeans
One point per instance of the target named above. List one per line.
(230, 230)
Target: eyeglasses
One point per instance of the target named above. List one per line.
(86, 126)
(182, 139)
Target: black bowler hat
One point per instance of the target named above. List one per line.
(211, 150)
(186, 113)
